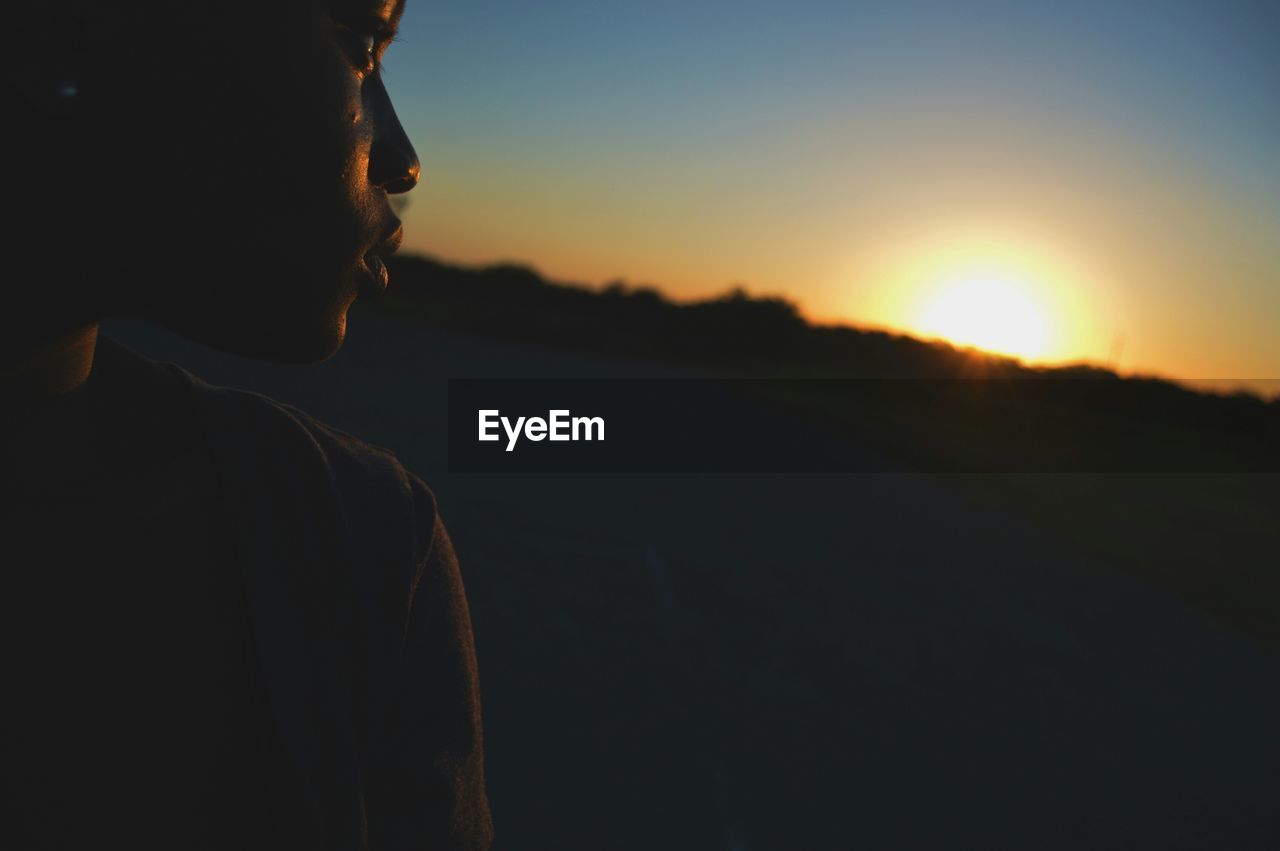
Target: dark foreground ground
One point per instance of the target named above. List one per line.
(787, 662)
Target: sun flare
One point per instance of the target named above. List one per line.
(988, 309)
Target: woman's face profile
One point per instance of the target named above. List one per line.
(230, 164)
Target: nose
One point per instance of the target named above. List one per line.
(393, 163)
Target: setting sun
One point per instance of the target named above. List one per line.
(1006, 289)
(987, 309)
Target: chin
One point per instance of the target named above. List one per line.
(293, 314)
(302, 349)
(286, 336)
(324, 346)
(300, 343)
(291, 345)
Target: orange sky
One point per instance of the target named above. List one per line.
(896, 173)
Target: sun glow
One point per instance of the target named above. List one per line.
(989, 309)
(1006, 289)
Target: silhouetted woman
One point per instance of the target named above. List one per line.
(226, 625)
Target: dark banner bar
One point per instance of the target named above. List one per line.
(855, 426)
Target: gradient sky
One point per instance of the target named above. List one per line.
(1116, 164)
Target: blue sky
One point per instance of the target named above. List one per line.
(1128, 153)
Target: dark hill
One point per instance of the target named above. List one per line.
(974, 411)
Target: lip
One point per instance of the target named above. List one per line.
(376, 276)
(390, 243)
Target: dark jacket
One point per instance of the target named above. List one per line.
(360, 621)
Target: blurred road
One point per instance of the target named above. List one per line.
(785, 662)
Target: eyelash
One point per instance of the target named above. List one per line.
(373, 41)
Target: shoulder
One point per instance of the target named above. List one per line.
(417, 711)
(263, 443)
(384, 499)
